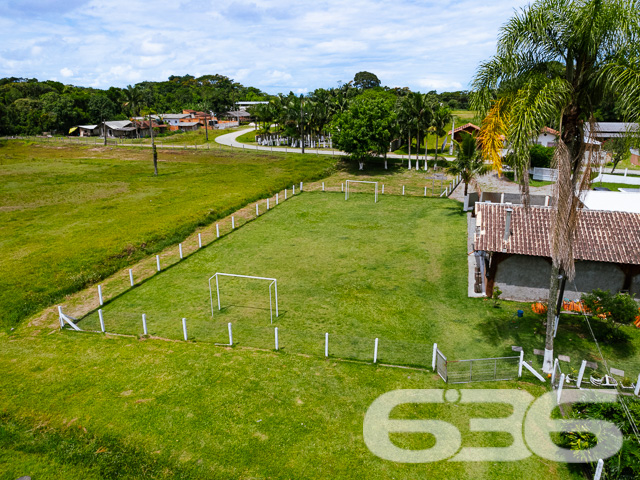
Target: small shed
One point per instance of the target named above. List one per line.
(466, 128)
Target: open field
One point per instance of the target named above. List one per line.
(72, 215)
(94, 406)
(395, 270)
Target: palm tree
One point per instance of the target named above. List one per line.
(555, 61)
(468, 163)
(133, 102)
(441, 117)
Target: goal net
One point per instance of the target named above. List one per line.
(273, 290)
(351, 182)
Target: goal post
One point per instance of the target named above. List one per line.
(272, 283)
(348, 182)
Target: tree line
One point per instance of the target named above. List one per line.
(29, 106)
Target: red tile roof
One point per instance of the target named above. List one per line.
(550, 131)
(601, 236)
(466, 126)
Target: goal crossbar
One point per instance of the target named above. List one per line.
(272, 282)
(348, 182)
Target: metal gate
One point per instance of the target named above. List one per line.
(441, 365)
(482, 369)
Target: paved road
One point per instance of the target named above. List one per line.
(230, 140)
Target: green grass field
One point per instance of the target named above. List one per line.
(71, 215)
(395, 270)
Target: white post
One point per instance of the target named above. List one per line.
(233, 223)
(275, 282)
(402, 189)
(217, 231)
(199, 240)
(433, 360)
(158, 261)
(425, 191)
(300, 187)
(599, 470)
(180, 248)
(581, 373)
(323, 186)
(285, 193)
(100, 294)
(343, 187)
(546, 201)
(131, 277)
(230, 334)
(625, 171)
(502, 198)
(276, 199)
(184, 328)
(293, 190)
(101, 320)
(277, 339)
(62, 321)
(553, 374)
(257, 211)
(375, 351)
(560, 386)
(326, 344)
(383, 188)
(520, 364)
(144, 324)
(637, 390)
(267, 204)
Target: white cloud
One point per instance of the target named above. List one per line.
(280, 46)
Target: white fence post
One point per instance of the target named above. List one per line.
(267, 204)
(520, 364)
(402, 189)
(300, 187)
(425, 191)
(230, 334)
(144, 324)
(553, 374)
(233, 223)
(375, 351)
(343, 187)
(293, 190)
(637, 390)
(158, 261)
(285, 193)
(599, 470)
(100, 294)
(180, 248)
(323, 186)
(276, 199)
(277, 346)
(131, 277)
(383, 188)
(101, 320)
(217, 231)
(62, 321)
(184, 328)
(326, 344)
(560, 386)
(581, 373)
(433, 360)
(257, 211)
(199, 240)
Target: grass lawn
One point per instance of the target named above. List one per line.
(395, 270)
(71, 215)
(84, 406)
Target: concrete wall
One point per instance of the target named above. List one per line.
(526, 278)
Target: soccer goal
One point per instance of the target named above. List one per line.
(348, 182)
(272, 283)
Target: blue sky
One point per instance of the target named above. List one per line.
(274, 45)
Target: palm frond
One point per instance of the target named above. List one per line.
(492, 132)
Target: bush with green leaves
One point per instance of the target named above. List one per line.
(541, 156)
(619, 309)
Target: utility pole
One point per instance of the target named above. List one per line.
(104, 131)
(153, 147)
(301, 125)
(206, 131)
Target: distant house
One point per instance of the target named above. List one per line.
(85, 130)
(239, 116)
(244, 105)
(512, 247)
(118, 129)
(547, 137)
(466, 128)
(604, 131)
(635, 157)
(189, 126)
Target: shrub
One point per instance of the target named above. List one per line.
(541, 156)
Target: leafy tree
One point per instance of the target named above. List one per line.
(555, 61)
(367, 127)
(540, 156)
(619, 309)
(101, 108)
(441, 117)
(618, 147)
(468, 163)
(365, 80)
